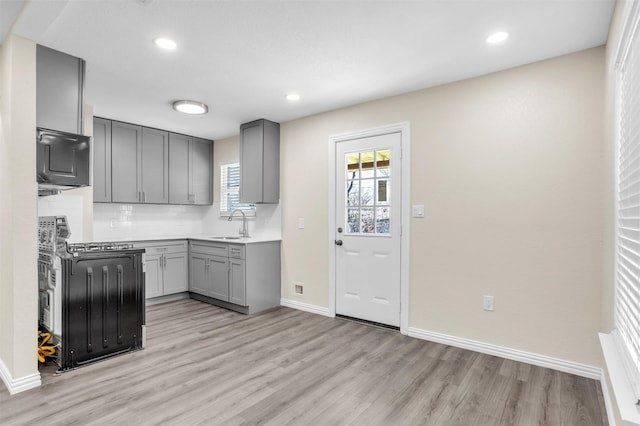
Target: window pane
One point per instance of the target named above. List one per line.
(382, 191)
(366, 221)
(353, 165)
(353, 220)
(383, 164)
(367, 164)
(353, 192)
(382, 220)
(366, 192)
(233, 176)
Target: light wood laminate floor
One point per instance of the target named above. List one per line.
(207, 365)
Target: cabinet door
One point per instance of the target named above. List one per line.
(198, 274)
(101, 160)
(201, 185)
(175, 273)
(154, 166)
(219, 277)
(251, 162)
(153, 275)
(59, 85)
(237, 289)
(178, 169)
(125, 143)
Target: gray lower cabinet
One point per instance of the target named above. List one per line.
(190, 170)
(260, 162)
(242, 277)
(101, 160)
(166, 267)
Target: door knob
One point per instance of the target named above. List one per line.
(338, 242)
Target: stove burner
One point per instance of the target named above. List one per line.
(95, 247)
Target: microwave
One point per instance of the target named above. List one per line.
(63, 161)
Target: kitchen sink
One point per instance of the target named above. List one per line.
(225, 238)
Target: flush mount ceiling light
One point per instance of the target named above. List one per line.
(293, 97)
(165, 43)
(497, 37)
(191, 107)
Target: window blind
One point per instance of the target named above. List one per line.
(627, 288)
(230, 191)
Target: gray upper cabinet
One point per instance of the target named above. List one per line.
(140, 164)
(154, 166)
(136, 164)
(125, 143)
(59, 90)
(101, 160)
(190, 170)
(260, 162)
(125, 149)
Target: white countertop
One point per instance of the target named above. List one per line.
(250, 240)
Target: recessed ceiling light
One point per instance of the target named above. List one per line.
(191, 107)
(293, 97)
(165, 43)
(497, 37)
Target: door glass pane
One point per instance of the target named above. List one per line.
(382, 191)
(366, 192)
(382, 220)
(353, 220)
(383, 163)
(367, 164)
(366, 221)
(353, 192)
(368, 184)
(353, 165)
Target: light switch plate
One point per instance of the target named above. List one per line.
(301, 223)
(418, 210)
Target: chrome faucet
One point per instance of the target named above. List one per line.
(245, 230)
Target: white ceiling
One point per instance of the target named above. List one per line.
(243, 57)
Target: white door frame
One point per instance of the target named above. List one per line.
(404, 130)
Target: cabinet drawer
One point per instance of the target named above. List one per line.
(236, 251)
(162, 247)
(212, 248)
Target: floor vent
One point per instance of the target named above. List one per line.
(372, 323)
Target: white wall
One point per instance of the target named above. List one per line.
(18, 217)
(510, 169)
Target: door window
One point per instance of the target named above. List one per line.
(367, 181)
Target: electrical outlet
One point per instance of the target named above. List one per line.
(299, 288)
(487, 303)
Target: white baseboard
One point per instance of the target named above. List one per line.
(509, 353)
(18, 385)
(305, 307)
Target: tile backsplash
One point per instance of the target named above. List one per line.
(118, 221)
(140, 221)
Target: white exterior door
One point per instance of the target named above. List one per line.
(368, 226)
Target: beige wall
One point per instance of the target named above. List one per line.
(225, 151)
(18, 217)
(510, 168)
